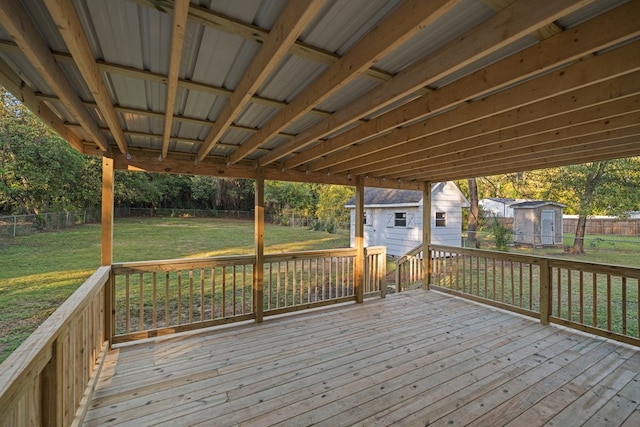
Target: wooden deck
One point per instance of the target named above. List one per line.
(415, 358)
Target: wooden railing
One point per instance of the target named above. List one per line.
(409, 269)
(597, 298)
(162, 297)
(49, 379)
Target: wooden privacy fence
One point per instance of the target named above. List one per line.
(604, 226)
(161, 297)
(597, 298)
(49, 378)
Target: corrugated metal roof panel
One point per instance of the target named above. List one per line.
(462, 18)
(303, 123)
(508, 50)
(352, 91)
(256, 115)
(589, 11)
(290, 77)
(342, 23)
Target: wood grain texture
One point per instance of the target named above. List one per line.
(410, 359)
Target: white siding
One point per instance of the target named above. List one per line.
(381, 230)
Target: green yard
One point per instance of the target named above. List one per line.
(38, 272)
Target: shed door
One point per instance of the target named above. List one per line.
(547, 220)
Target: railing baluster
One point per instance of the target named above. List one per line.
(595, 300)
(153, 304)
(624, 306)
(223, 302)
(179, 297)
(608, 302)
(141, 304)
(166, 300)
(127, 302)
(569, 290)
(190, 295)
(581, 297)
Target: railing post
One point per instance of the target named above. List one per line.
(398, 281)
(258, 268)
(359, 241)
(545, 292)
(382, 272)
(109, 308)
(426, 235)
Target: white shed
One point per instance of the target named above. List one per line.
(499, 207)
(393, 218)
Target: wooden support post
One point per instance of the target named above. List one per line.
(107, 211)
(545, 292)
(359, 240)
(258, 268)
(426, 235)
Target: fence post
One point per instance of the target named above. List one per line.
(545, 292)
(15, 224)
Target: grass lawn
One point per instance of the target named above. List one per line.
(38, 272)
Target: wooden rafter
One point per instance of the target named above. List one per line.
(209, 18)
(405, 21)
(582, 152)
(285, 32)
(599, 33)
(505, 27)
(177, 42)
(17, 23)
(66, 18)
(571, 140)
(581, 74)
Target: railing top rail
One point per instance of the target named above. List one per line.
(619, 270)
(174, 264)
(322, 253)
(413, 252)
(31, 356)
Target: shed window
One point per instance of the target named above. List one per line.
(441, 219)
(400, 219)
(368, 219)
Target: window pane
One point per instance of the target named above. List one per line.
(400, 219)
(441, 219)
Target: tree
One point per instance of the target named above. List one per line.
(331, 210)
(606, 187)
(38, 170)
(472, 224)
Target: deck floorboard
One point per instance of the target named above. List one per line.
(415, 358)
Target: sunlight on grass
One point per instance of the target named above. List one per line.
(39, 272)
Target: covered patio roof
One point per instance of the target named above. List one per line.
(397, 92)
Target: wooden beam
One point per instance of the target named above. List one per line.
(14, 84)
(359, 268)
(602, 150)
(517, 143)
(594, 71)
(178, 29)
(106, 258)
(600, 33)
(19, 26)
(403, 23)
(65, 16)
(147, 160)
(546, 151)
(291, 22)
(493, 34)
(478, 136)
(258, 268)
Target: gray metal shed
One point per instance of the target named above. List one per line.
(537, 223)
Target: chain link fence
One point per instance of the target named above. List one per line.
(24, 225)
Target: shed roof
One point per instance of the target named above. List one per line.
(397, 91)
(394, 197)
(532, 204)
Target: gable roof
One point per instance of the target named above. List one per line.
(385, 197)
(531, 204)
